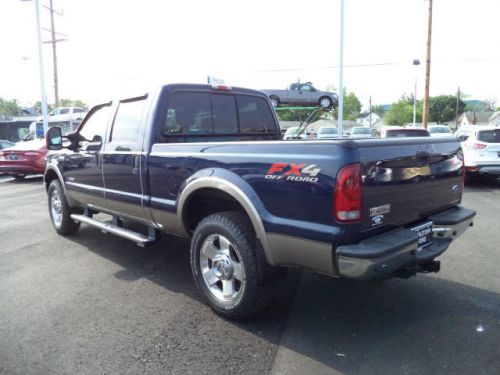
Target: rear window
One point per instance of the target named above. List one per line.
(440, 129)
(206, 114)
(361, 131)
(406, 133)
(255, 115)
(489, 136)
(328, 131)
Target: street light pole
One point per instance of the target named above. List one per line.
(416, 62)
(40, 67)
(341, 71)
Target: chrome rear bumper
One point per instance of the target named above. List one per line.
(382, 255)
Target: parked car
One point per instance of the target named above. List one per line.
(399, 132)
(295, 133)
(360, 132)
(439, 131)
(249, 202)
(6, 144)
(302, 94)
(24, 158)
(327, 132)
(66, 114)
(481, 147)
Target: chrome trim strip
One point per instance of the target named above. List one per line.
(85, 186)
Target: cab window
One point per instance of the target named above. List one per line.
(127, 131)
(94, 128)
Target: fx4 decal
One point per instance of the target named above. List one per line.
(293, 172)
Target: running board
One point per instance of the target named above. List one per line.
(138, 238)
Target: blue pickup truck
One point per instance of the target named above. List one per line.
(208, 163)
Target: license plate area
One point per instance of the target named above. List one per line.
(424, 233)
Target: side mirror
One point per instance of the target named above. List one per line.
(53, 138)
(462, 138)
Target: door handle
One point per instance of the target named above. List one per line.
(137, 164)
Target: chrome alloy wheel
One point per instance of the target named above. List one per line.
(221, 268)
(56, 208)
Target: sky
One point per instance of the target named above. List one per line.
(120, 48)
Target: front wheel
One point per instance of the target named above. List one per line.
(60, 211)
(224, 265)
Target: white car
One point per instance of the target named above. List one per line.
(440, 131)
(481, 147)
(66, 114)
(295, 133)
(327, 132)
(361, 132)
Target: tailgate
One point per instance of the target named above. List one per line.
(406, 180)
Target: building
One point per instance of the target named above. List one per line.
(475, 118)
(368, 119)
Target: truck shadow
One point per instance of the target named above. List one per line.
(321, 325)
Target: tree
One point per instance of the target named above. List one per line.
(38, 106)
(71, 103)
(443, 108)
(401, 112)
(9, 107)
(352, 106)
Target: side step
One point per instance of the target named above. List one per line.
(138, 238)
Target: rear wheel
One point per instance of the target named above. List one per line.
(60, 211)
(225, 267)
(325, 102)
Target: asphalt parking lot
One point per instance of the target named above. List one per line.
(98, 304)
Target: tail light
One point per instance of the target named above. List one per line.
(348, 194)
(33, 153)
(476, 146)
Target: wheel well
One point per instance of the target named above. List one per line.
(49, 177)
(205, 202)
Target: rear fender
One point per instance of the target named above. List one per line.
(230, 183)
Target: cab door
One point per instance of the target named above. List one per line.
(82, 167)
(123, 159)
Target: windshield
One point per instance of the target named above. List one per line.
(361, 131)
(489, 136)
(407, 133)
(439, 129)
(328, 131)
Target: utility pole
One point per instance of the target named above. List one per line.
(425, 115)
(54, 41)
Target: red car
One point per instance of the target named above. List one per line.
(24, 158)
